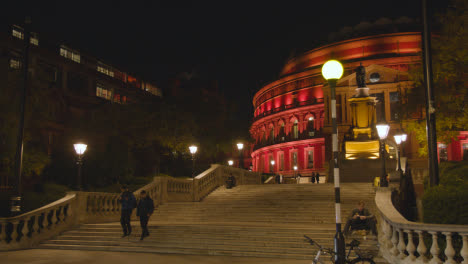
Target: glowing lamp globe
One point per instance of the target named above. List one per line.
(382, 130)
(80, 148)
(403, 137)
(240, 146)
(193, 149)
(295, 168)
(397, 139)
(272, 162)
(332, 69)
(230, 162)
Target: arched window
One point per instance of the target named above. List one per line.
(272, 134)
(282, 133)
(295, 130)
(311, 126)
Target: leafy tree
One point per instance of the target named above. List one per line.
(450, 67)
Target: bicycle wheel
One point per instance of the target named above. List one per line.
(363, 261)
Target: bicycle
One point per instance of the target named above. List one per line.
(361, 258)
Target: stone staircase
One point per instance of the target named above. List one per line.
(249, 220)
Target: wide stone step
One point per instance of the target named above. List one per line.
(248, 220)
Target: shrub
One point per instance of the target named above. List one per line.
(447, 203)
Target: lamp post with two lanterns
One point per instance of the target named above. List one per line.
(382, 130)
(332, 71)
(80, 149)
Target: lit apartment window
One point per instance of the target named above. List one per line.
(15, 63)
(69, 54)
(105, 70)
(17, 32)
(103, 92)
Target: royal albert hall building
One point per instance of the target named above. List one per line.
(291, 125)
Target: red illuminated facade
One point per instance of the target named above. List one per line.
(292, 117)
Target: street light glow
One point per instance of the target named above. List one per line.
(382, 130)
(230, 162)
(332, 69)
(295, 167)
(193, 149)
(80, 148)
(397, 139)
(403, 137)
(240, 146)
(272, 162)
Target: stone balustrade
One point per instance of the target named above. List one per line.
(403, 241)
(25, 230)
(29, 229)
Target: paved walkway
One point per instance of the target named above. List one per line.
(52, 256)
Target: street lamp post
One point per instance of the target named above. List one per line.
(398, 140)
(15, 200)
(80, 149)
(240, 146)
(382, 130)
(272, 162)
(332, 71)
(295, 170)
(193, 149)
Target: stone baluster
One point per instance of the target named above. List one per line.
(410, 248)
(55, 219)
(62, 214)
(449, 250)
(35, 225)
(388, 235)
(3, 235)
(422, 249)
(14, 234)
(435, 249)
(401, 244)
(106, 209)
(394, 249)
(464, 250)
(24, 230)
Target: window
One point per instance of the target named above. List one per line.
(310, 159)
(442, 152)
(69, 54)
(281, 132)
(295, 130)
(105, 70)
(281, 161)
(15, 63)
(17, 32)
(394, 106)
(465, 151)
(310, 126)
(379, 106)
(103, 92)
(272, 134)
(294, 159)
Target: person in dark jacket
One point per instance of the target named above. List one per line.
(128, 202)
(360, 219)
(317, 177)
(312, 179)
(145, 209)
(230, 182)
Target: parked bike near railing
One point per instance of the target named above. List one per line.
(362, 257)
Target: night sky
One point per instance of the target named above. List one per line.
(242, 44)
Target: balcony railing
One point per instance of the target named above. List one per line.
(289, 138)
(295, 104)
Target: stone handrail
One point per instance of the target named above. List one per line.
(29, 229)
(25, 230)
(403, 241)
